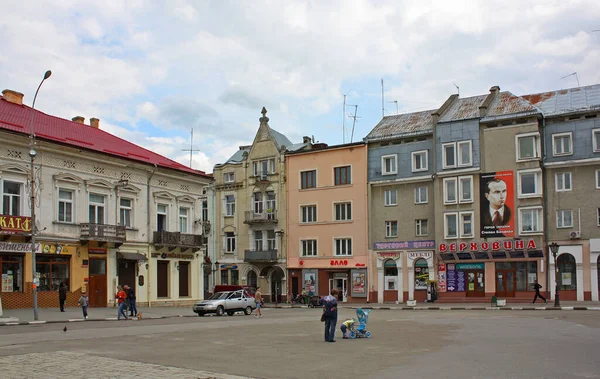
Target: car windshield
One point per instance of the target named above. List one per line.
(219, 295)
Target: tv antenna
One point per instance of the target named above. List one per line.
(344, 117)
(396, 102)
(191, 149)
(457, 89)
(572, 74)
(354, 117)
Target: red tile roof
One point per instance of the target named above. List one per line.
(16, 118)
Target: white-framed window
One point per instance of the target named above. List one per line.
(125, 212)
(258, 203)
(597, 179)
(449, 190)
(596, 140)
(421, 195)
(229, 242)
(465, 153)
(11, 198)
(421, 227)
(66, 205)
(529, 183)
(389, 164)
(308, 213)
(466, 224)
(184, 214)
(451, 225)
(258, 240)
(271, 204)
(263, 168)
(96, 208)
(343, 246)
(527, 146)
(419, 161)
(390, 197)
(562, 181)
(308, 248)
(229, 205)
(271, 241)
(161, 217)
(308, 179)
(564, 218)
(391, 229)
(598, 217)
(562, 144)
(530, 220)
(449, 155)
(465, 189)
(228, 177)
(343, 211)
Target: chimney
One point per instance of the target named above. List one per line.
(78, 119)
(306, 139)
(13, 96)
(95, 123)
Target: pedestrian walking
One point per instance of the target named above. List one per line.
(537, 288)
(330, 314)
(131, 298)
(62, 295)
(258, 299)
(83, 303)
(121, 296)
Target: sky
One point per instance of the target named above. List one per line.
(152, 71)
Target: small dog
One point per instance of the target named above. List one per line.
(139, 316)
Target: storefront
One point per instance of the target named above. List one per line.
(569, 266)
(175, 277)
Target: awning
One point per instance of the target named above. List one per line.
(133, 256)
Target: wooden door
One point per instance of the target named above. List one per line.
(506, 281)
(97, 284)
(184, 279)
(162, 278)
(475, 283)
(127, 272)
(296, 287)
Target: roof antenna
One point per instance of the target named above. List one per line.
(344, 117)
(191, 149)
(382, 101)
(395, 101)
(354, 117)
(576, 77)
(457, 89)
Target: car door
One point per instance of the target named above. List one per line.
(234, 301)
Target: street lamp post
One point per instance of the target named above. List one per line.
(215, 270)
(554, 249)
(32, 155)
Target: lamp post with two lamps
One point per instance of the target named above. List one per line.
(554, 250)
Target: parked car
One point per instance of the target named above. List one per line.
(232, 287)
(226, 302)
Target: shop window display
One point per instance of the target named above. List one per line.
(567, 273)
(12, 273)
(52, 271)
(421, 274)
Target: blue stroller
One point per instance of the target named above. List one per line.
(360, 331)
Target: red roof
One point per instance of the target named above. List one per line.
(16, 118)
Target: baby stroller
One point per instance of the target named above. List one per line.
(314, 302)
(360, 331)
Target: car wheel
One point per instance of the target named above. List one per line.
(248, 310)
(200, 314)
(230, 313)
(220, 310)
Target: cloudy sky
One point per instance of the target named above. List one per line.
(153, 70)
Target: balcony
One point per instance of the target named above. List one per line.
(174, 240)
(263, 176)
(260, 255)
(260, 218)
(102, 233)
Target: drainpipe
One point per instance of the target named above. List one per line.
(148, 230)
(545, 197)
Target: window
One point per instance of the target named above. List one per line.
(343, 211)
(235, 279)
(562, 144)
(390, 197)
(96, 208)
(465, 189)
(450, 191)
(263, 168)
(228, 177)
(183, 219)
(161, 217)
(343, 175)
(596, 140)
(125, 206)
(229, 205)
(204, 210)
(225, 277)
(421, 195)
(308, 179)
(563, 181)
(451, 225)
(391, 229)
(65, 205)
(229, 242)
(11, 198)
(309, 213)
(526, 273)
(598, 218)
(528, 146)
(419, 161)
(258, 240)
(271, 240)
(271, 202)
(343, 246)
(530, 183)
(530, 220)
(567, 267)
(421, 227)
(388, 165)
(466, 224)
(309, 248)
(465, 153)
(564, 219)
(11, 270)
(258, 202)
(449, 155)
(52, 272)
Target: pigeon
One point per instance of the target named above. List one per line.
(65, 329)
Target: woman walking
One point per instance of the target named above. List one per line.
(62, 296)
(121, 296)
(330, 312)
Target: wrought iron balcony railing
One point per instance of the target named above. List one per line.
(252, 217)
(260, 255)
(103, 233)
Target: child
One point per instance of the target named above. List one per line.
(345, 326)
(83, 302)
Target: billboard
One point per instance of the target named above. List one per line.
(496, 200)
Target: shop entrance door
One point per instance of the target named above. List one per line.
(506, 282)
(127, 273)
(475, 283)
(97, 290)
(340, 284)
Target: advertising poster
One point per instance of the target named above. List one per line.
(358, 282)
(309, 282)
(451, 279)
(496, 197)
(566, 278)
(442, 277)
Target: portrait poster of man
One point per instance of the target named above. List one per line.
(497, 217)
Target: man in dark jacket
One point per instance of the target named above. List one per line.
(537, 288)
(62, 296)
(330, 312)
(131, 297)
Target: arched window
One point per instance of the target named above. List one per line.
(567, 272)
(421, 274)
(252, 279)
(391, 275)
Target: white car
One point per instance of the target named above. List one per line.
(226, 302)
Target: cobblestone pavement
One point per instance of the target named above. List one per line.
(62, 364)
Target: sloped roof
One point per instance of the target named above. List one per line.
(463, 109)
(402, 125)
(566, 100)
(238, 155)
(507, 105)
(16, 118)
(280, 138)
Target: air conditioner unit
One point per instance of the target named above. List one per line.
(574, 235)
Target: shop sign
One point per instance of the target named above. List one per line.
(420, 254)
(96, 251)
(384, 256)
(442, 277)
(229, 266)
(424, 244)
(15, 224)
(54, 249)
(172, 255)
(455, 280)
(17, 247)
(470, 266)
(496, 245)
(338, 262)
